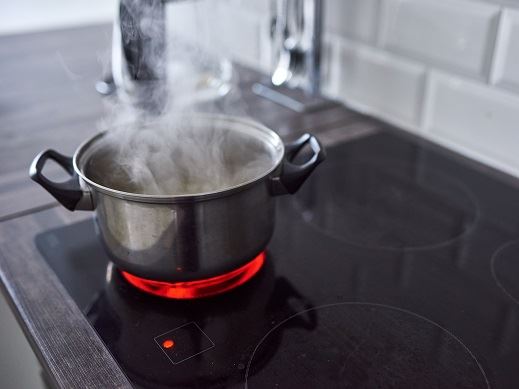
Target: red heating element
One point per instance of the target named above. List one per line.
(199, 288)
(168, 343)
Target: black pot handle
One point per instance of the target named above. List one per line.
(68, 193)
(294, 175)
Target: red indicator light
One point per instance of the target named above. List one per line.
(168, 343)
(199, 288)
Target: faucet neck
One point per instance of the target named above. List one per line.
(296, 44)
(139, 52)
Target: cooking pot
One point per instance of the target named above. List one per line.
(192, 236)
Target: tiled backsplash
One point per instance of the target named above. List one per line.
(445, 69)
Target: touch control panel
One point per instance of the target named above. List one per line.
(184, 342)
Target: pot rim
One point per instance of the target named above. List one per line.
(146, 198)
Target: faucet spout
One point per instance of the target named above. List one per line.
(139, 53)
(296, 44)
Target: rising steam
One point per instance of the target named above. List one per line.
(171, 152)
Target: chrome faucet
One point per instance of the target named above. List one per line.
(296, 44)
(295, 81)
(142, 72)
(139, 52)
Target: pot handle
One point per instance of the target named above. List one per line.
(68, 193)
(294, 175)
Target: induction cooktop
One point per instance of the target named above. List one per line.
(395, 266)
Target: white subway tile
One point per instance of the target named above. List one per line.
(195, 22)
(506, 62)
(352, 18)
(240, 33)
(381, 84)
(219, 27)
(477, 119)
(260, 6)
(511, 3)
(181, 18)
(329, 62)
(456, 34)
(265, 45)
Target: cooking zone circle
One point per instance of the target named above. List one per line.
(505, 269)
(362, 345)
(387, 205)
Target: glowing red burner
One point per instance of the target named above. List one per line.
(199, 288)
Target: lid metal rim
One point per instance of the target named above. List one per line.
(190, 197)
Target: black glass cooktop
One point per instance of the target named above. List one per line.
(396, 266)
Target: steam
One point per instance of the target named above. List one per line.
(164, 147)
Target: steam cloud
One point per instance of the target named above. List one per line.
(171, 153)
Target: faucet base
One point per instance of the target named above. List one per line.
(295, 99)
(106, 86)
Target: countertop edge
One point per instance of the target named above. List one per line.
(66, 345)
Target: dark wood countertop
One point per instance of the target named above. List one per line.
(64, 342)
(48, 100)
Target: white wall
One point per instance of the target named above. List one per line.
(445, 69)
(19, 367)
(32, 15)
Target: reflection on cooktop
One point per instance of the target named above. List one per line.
(505, 269)
(387, 205)
(360, 345)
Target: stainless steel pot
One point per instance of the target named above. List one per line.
(185, 237)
